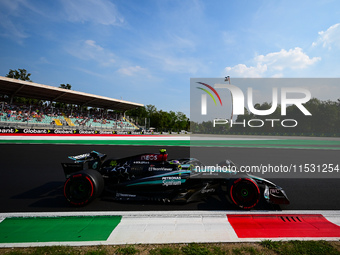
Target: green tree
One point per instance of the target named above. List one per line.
(20, 74)
(182, 121)
(67, 86)
(150, 109)
(161, 120)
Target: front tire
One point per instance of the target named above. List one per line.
(245, 193)
(83, 187)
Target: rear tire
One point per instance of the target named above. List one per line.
(83, 187)
(245, 193)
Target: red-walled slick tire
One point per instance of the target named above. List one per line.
(245, 193)
(83, 187)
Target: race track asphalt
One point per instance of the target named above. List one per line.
(31, 177)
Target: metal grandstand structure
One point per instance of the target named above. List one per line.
(18, 88)
(14, 87)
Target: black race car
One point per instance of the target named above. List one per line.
(152, 177)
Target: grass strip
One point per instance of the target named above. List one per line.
(57, 229)
(265, 247)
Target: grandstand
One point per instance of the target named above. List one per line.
(102, 113)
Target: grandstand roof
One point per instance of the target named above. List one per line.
(14, 87)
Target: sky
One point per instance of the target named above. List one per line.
(146, 51)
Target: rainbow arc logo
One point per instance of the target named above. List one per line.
(204, 97)
(209, 93)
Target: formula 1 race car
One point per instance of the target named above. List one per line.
(152, 177)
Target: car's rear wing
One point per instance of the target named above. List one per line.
(87, 156)
(91, 160)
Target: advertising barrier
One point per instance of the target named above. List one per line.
(46, 131)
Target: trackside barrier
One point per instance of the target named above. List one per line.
(46, 131)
